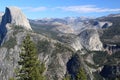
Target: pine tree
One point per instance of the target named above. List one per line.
(30, 67)
(81, 75)
(11, 79)
(67, 77)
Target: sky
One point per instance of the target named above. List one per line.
(35, 9)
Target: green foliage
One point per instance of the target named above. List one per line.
(91, 65)
(112, 31)
(114, 59)
(10, 43)
(30, 69)
(62, 48)
(67, 78)
(116, 55)
(43, 46)
(81, 75)
(12, 40)
(100, 57)
(97, 76)
(11, 79)
(17, 29)
(45, 30)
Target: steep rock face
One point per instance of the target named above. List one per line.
(76, 44)
(90, 39)
(71, 40)
(55, 57)
(14, 15)
(102, 24)
(10, 54)
(75, 63)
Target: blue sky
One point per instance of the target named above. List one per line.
(35, 9)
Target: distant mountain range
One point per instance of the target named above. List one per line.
(65, 45)
(70, 24)
(76, 25)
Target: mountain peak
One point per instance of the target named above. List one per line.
(114, 15)
(14, 15)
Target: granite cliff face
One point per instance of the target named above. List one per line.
(13, 31)
(14, 15)
(72, 40)
(12, 18)
(90, 39)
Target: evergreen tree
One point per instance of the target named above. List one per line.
(11, 79)
(66, 77)
(81, 75)
(30, 67)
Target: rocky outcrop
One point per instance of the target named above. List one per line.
(55, 57)
(74, 65)
(76, 44)
(102, 24)
(10, 49)
(10, 55)
(71, 40)
(90, 39)
(14, 16)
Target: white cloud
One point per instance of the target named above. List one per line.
(78, 9)
(87, 9)
(34, 9)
